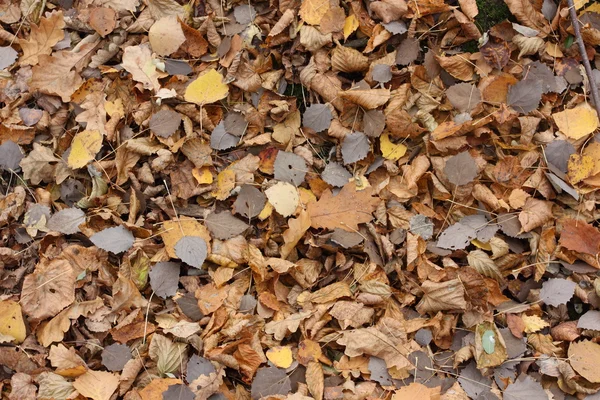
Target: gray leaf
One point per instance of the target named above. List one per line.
(189, 305)
(71, 191)
(590, 320)
(422, 226)
(538, 71)
(247, 304)
(250, 202)
(335, 174)
(525, 31)
(165, 123)
(558, 153)
(10, 155)
(198, 366)
(461, 169)
(244, 14)
(525, 96)
(525, 388)
(355, 147)
(373, 123)
(379, 371)
(464, 96)
(8, 56)
(192, 250)
(396, 27)
(116, 239)
(289, 167)
(382, 73)
(235, 124)
(408, 51)
(557, 291)
(221, 140)
(30, 116)
(511, 226)
(346, 239)
(456, 237)
(164, 278)
(115, 356)
(515, 347)
(66, 221)
(270, 381)
(178, 392)
(224, 225)
(317, 117)
(560, 186)
(177, 67)
(473, 382)
(549, 9)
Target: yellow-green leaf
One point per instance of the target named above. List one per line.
(208, 88)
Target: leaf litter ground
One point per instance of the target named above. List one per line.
(298, 200)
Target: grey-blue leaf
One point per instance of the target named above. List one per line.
(317, 117)
(290, 167)
(488, 341)
(335, 174)
(115, 356)
(192, 250)
(221, 140)
(66, 221)
(164, 278)
(10, 155)
(116, 239)
(355, 147)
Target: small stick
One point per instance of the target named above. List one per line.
(584, 57)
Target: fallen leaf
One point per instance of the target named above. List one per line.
(116, 239)
(577, 122)
(97, 385)
(84, 147)
(584, 357)
(281, 356)
(207, 88)
(284, 198)
(166, 36)
(11, 321)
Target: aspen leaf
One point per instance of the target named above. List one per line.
(207, 88)
(11, 321)
(577, 122)
(284, 198)
(84, 147)
(389, 150)
(281, 356)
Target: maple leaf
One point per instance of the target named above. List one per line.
(346, 210)
(41, 39)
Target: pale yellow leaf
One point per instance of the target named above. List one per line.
(281, 356)
(84, 147)
(166, 36)
(577, 122)
(284, 198)
(11, 321)
(389, 150)
(312, 11)
(533, 323)
(350, 25)
(207, 88)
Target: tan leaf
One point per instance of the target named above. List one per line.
(458, 66)
(94, 115)
(167, 354)
(66, 361)
(138, 61)
(440, 296)
(49, 289)
(315, 379)
(585, 359)
(312, 11)
(527, 15)
(97, 385)
(417, 391)
(327, 294)
(155, 389)
(482, 263)
(296, 229)
(41, 38)
(175, 229)
(347, 59)
(166, 35)
(54, 330)
(535, 213)
(55, 75)
(533, 323)
(369, 99)
(346, 210)
(282, 327)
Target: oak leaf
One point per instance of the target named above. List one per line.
(41, 38)
(346, 210)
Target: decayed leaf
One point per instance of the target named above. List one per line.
(192, 250)
(312, 11)
(369, 99)
(164, 279)
(447, 295)
(168, 355)
(270, 381)
(48, 290)
(42, 37)
(461, 169)
(464, 96)
(483, 264)
(525, 95)
(535, 213)
(138, 61)
(296, 229)
(346, 210)
(577, 235)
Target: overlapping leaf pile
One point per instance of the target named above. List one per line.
(297, 199)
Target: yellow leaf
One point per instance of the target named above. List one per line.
(594, 8)
(97, 385)
(203, 175)
(312, 11)
(390, 150)
(225, 184)
(11, 321)
(84, 147)
(207, 88)
(266, 211)
(533, 323)
(580, 167)
(114, 107)
(593, 150)
(281, 356)
(553, 49)
(577, 122)
(350, 25)
(176, 229)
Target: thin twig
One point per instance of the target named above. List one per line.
(584, 57)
